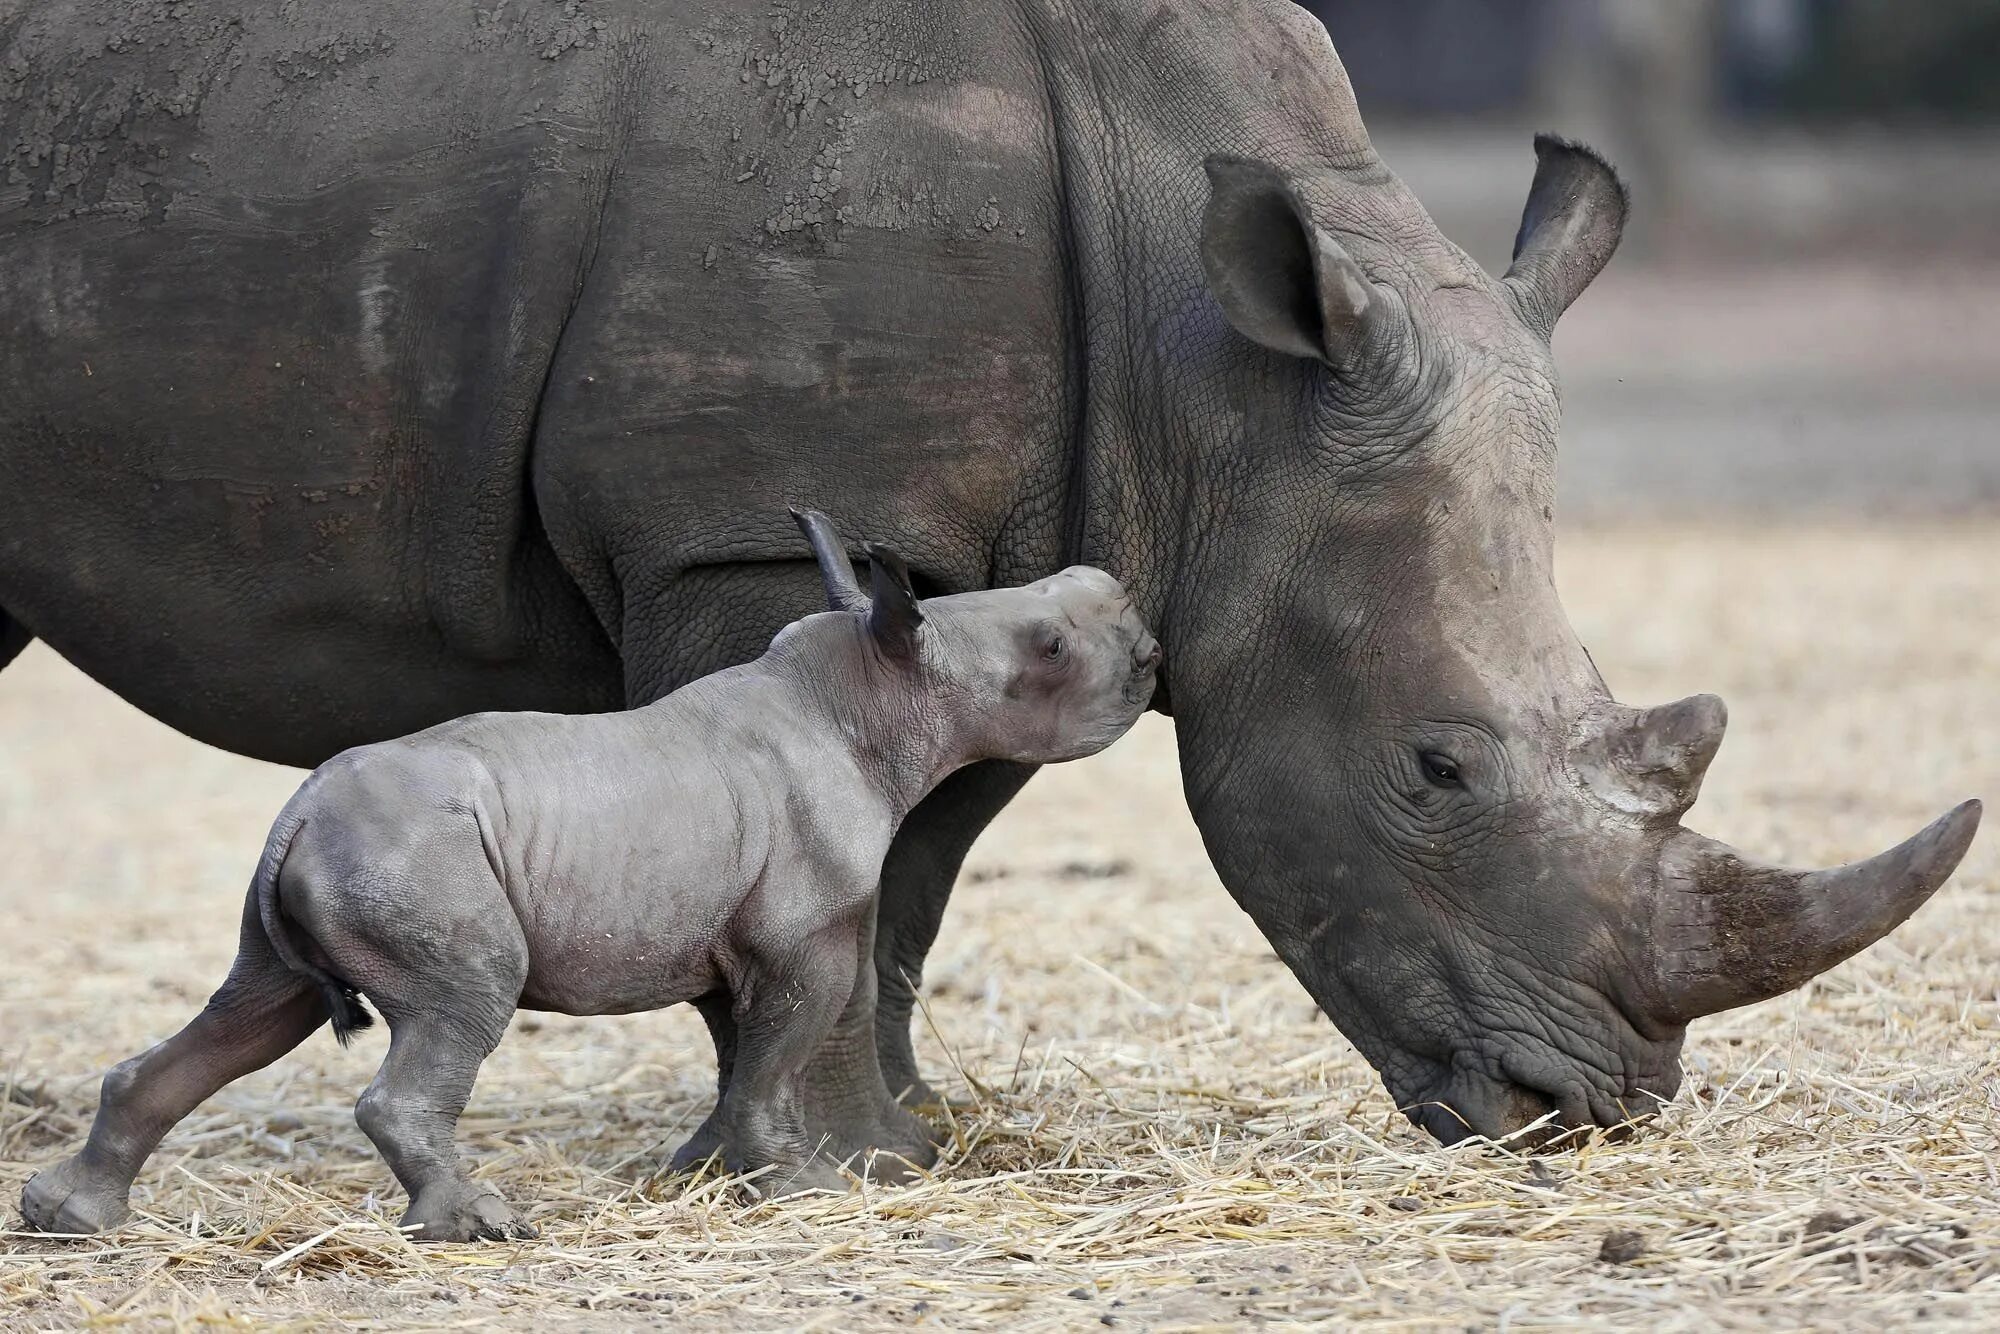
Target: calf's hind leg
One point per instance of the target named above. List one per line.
(411, 1112)
(260, 1012)
(447, 999)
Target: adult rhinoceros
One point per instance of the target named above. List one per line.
(368, 363)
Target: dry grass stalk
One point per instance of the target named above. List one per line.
(1163, 1134)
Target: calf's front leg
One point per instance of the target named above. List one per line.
(848, 1108)
(848, 1104)
(789, 998)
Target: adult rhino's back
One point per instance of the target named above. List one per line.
(289, 297)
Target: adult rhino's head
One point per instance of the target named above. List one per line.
(1403, 762)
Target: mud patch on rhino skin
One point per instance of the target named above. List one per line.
(92, 130)
(981, 115)
(550, 31)
(886, 207)
(330, 58)
(812, 206)
(809, 57)
(808, 71)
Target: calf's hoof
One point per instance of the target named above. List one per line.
(463, 1211)
(67, 1199)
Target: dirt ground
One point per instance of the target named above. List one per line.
(1166, 1133)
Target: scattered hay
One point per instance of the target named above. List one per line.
(1161, 1131)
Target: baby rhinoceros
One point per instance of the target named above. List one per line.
(720, 846)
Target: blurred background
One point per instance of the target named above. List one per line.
(1806, 310)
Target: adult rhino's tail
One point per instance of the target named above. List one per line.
(343, 1002)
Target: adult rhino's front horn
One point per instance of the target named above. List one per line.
(1733, 931)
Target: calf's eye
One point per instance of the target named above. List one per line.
(1053, 650)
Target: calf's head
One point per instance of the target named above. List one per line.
(1404, 764)
(1049, 671)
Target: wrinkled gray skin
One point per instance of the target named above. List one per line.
(720, 846)
(371, 363)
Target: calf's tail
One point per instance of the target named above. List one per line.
(343, 1002)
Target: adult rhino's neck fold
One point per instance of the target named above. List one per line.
(1139, 95)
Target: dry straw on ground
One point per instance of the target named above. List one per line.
(1164, 1134)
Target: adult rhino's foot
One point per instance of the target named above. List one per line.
(918, 1096)
(886, 1143)
(463, 1211)
(899, 1071)
(710, 1144)
(70, 1198)
(777, 1180)
(703, 1145)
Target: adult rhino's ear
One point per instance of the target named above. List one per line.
(1281, 281)
(1574, 217)
(893, 617)
(842, 592)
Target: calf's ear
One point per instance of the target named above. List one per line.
(1281, 281)
(842, 592)
(1574, 217)
(893, 617)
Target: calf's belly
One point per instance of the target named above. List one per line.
(623, 970)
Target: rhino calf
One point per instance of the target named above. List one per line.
(720, 846)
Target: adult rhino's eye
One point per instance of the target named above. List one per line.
(1440, 770)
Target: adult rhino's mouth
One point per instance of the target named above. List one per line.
(1524, 1119)
(1464, 1102)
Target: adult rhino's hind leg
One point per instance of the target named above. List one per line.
(261, 1012)
(917, 880)
(717, 1012)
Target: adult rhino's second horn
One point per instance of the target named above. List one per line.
(1733, 931)
(1651, 761)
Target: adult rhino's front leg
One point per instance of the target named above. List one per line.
(917, 880)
